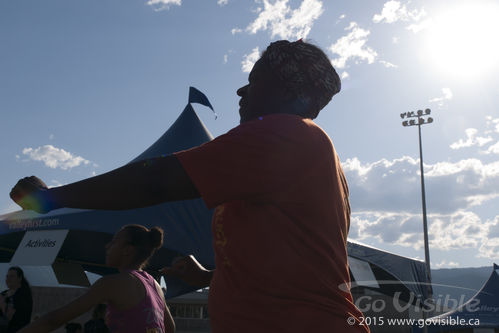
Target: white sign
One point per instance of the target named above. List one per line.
(362, 273)
(41, 276)
(39, 248)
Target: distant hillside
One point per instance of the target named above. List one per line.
(457, 282)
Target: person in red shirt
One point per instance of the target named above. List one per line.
(282, 212)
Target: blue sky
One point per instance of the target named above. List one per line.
(85, 86)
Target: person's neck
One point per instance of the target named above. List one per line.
(129, 267)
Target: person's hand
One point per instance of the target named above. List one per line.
(189, 270)
(32, 193)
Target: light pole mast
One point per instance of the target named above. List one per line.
(413, 122)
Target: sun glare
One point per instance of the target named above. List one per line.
(464, 40)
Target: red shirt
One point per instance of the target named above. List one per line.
(279, 227)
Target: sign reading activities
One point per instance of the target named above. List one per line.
(39, 248)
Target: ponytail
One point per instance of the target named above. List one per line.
(156, 237)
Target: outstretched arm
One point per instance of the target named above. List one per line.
(100, 292)
(189, 270)
(134, 185)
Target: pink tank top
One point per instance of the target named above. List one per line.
(145, 317)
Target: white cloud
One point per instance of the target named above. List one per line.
(249, 60)
(493, 227)
(491, 122)
(222, 2)
(54, 157)
(352, 46)
(447, 95)
(445, 264)
(394, 185)
(226, 58)
(386, 203)
(458, 230)
(393, 11)
(417, 27)
(395, 40)
(163, 4)
(55, 183)
(455, 168)
(388, 64)
(490, 249)
(282, 21)
(342, 17)
(494, 149)
(471, 140)
(490, 246)
(236, 31)
(344, 75)
(387, 227)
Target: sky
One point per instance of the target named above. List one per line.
(86, 86)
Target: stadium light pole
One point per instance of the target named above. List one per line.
(422, 119)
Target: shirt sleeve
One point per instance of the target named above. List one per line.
(249, 162)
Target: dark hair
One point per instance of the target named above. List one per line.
(306, 72)
(25, 287)
(146, 241)
(73, 327)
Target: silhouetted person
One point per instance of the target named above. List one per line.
(16, 303)
(135, 301)
(281, 204)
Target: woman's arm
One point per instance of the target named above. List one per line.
(167, 317)
(134, 185)
(99, 292)
(168, 321)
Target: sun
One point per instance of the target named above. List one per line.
(464, 40)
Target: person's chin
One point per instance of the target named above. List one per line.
(242, 115)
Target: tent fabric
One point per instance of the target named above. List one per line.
(411, 273)
(484, 306)
(187, 224)
(186, 132)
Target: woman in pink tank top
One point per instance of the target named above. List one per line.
(136, 303)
